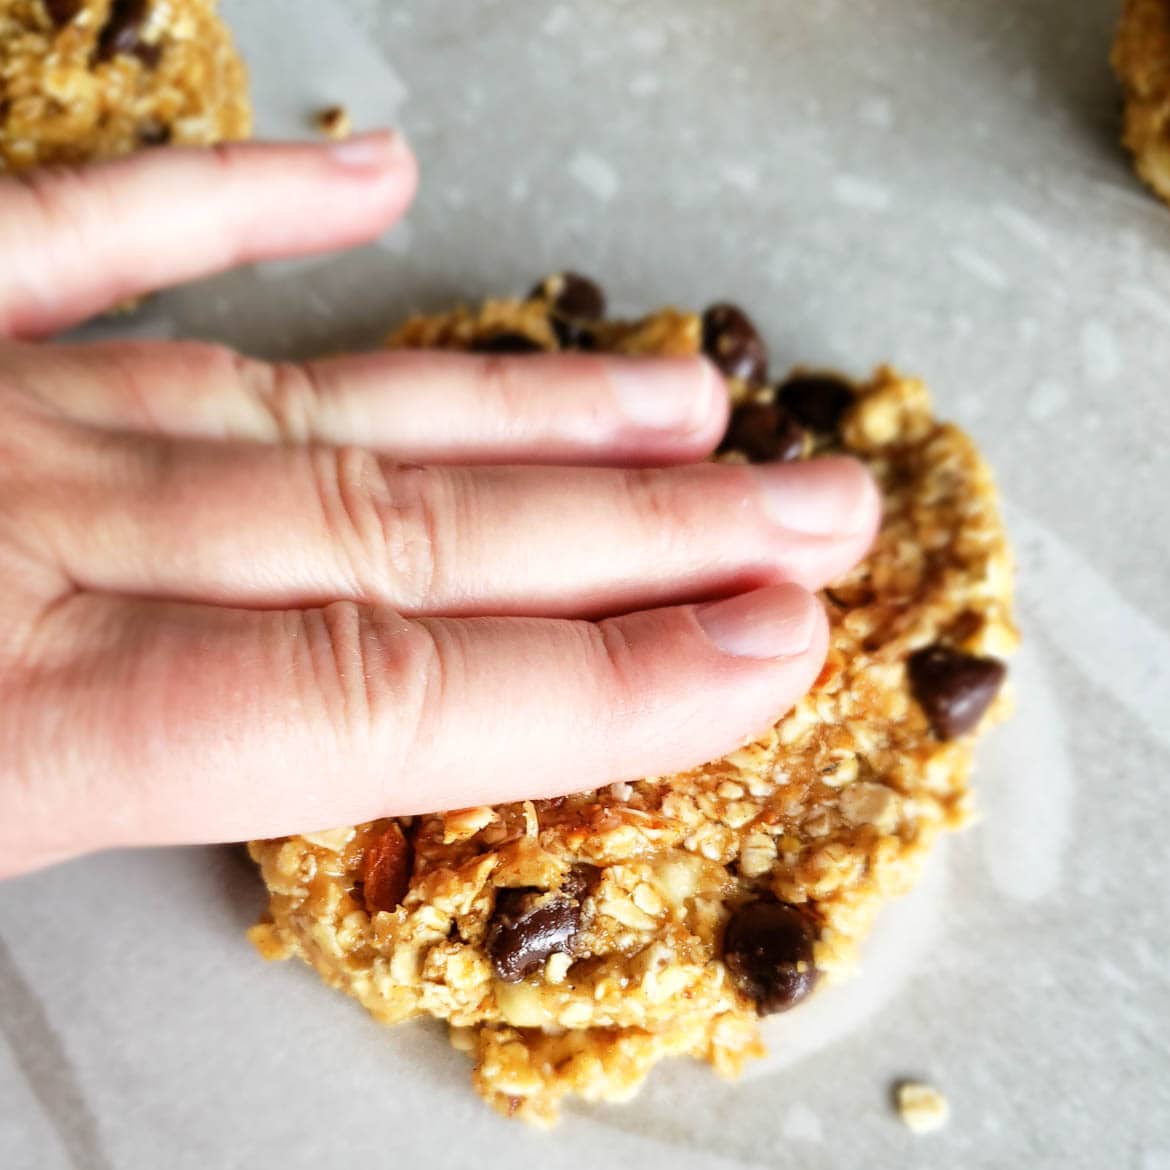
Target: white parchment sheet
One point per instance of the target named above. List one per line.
(932, 182)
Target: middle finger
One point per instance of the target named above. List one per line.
(242, 524)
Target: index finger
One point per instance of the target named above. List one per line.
(77, 241)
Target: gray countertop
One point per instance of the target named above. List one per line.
(934, 182)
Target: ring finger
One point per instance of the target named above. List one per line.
(262, 526)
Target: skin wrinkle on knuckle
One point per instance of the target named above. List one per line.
(428, 669)
(382, 520)
(668, 513)
(338, 676)
(348, 517)
(620, 680)
(415, 524)
(288, 394)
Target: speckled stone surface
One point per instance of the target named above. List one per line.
(934, 182)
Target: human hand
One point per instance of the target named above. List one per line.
(234, 603)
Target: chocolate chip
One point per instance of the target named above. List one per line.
(573, 334)
(581, 881)
(123, 29)
(386, 869)
(152, 133)
(569, 294)
(768, 948)
(528, 925)
(61, 12)
(732, 342)
(817, 400)
(764, 433)
(150, 55)
(953, 688)
(507, 342)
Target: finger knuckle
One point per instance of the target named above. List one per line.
(662, 508)
(426, 659)
(287, 394)
(340, 679)
(378, 678)
(616, 657)
(388, 519)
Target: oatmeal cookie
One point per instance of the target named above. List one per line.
(572, 943)
(1141, 59)
(82, 79)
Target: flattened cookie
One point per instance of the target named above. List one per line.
(83, 79)
(570, 944)
(1141, 59)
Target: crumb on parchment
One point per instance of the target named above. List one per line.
(922, 1108)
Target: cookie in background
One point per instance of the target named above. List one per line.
(86, 79)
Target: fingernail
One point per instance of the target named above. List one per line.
(369, 152)
(831, 496)
(776, 622)
(664, 393)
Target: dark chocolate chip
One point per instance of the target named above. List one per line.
(768, 948)
(123, 29)
(569, 294)
(765, 433)
(732, 342)
(528, 925)
(61, 12)
(581, 881)
(152, 133)
(149, 54)
(572, 334)
(953, 688)
(509, 342)
(817, 400)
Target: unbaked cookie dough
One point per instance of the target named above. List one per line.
(1141, 59)
(83, 79)
(572, 943)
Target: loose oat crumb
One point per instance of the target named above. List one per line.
(922, 1108)
(462, 1039)
(334, 122)
(269, 941)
